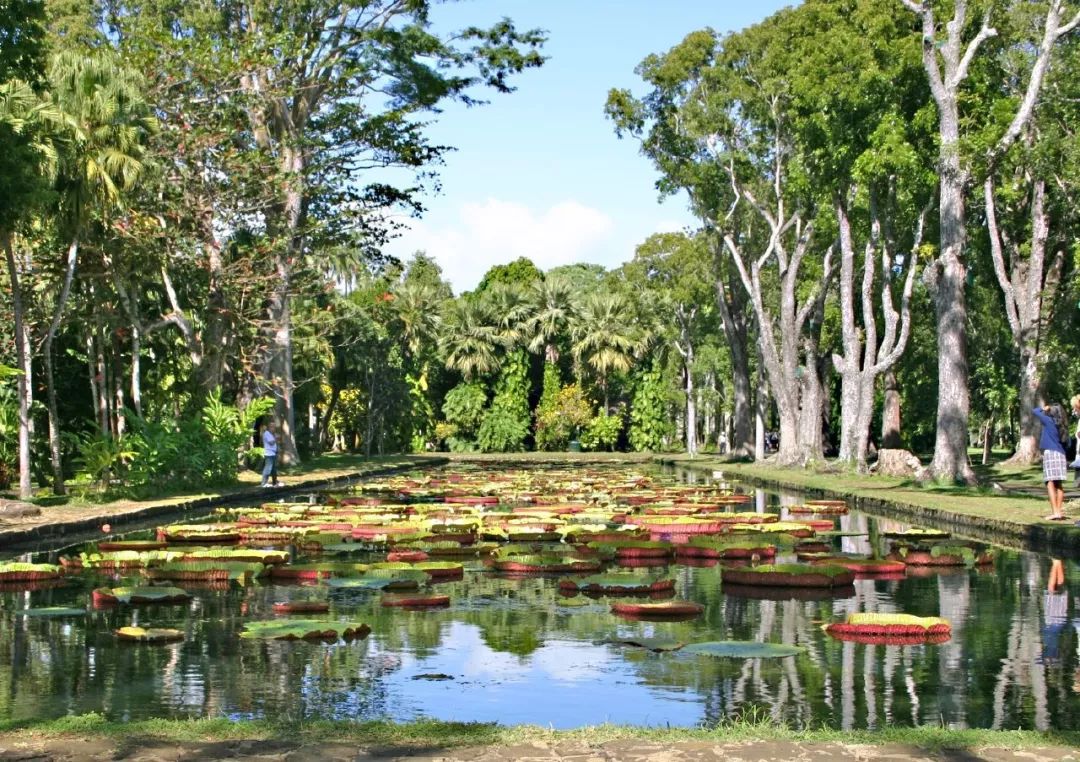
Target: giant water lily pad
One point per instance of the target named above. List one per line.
(23, 572)
(149, 635)
(304, 629)
(744, 649)
(382, 579)
(106, 596)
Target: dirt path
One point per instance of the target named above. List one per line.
(31, 749)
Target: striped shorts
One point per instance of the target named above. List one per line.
(1054, 466)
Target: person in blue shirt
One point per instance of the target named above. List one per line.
(1055, 465)
(269, 444)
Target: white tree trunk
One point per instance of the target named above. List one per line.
(50, 385)
(25, 383)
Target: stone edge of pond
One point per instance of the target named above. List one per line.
(1046, 538)
(13, 537)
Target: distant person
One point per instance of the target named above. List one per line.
(269, 445)
(1052, 443)
(1055, 611)
(722, 444)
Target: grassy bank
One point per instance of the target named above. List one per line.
(433, 733)
(1017, 508)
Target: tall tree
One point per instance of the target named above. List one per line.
(331, 90)
(22, 35)
(948, 55)
(107, 121)
(605, 336)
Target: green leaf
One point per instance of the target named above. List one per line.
(297, 629)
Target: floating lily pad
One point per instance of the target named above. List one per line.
(151, 635)
(304, 629)
(51, 611)
(104, 596)
(744, 649)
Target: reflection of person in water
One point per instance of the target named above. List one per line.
(1055, 611)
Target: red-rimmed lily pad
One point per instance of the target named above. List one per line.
(382, 579)
(205, 570)
(304, 629)
(105, 596)
(658, 610)
(23, 572)
(619, 584)
(790, 575)
(416, 601)
(301, 607)
(865, 566)
(149, 635)
(890, 629)
(545, 564)
(744, 649)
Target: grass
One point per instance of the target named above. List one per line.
(1021, 504)
(323, 467)
(432, 733)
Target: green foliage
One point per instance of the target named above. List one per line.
(506, 423)
(649, 426)
(463, 408)
(102, 455)
(193, 451)
(562, 419)
(9, 432)
(602, 432)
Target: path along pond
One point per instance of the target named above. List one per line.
(515, 647)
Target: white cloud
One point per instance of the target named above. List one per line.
(496, 232)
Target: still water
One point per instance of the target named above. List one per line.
(516, 651)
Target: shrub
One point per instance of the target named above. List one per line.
(602, 433)
(563, 419)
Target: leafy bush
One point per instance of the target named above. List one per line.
(191, 452)
(464, 410)
(602, 432)
(506, 423)
(562, 419)
(648, 424)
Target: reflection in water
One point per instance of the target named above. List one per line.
(514, 650)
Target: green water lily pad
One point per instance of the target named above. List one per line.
(51, 611)
(744, 649)
(301, 629)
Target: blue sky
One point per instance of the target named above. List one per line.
(540, 172)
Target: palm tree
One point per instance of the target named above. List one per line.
(471, 337)
(106, 121)
(510, 308)
(604, 335)
(551, 315)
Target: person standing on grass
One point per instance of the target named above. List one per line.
(1051, 442)
(269, 444)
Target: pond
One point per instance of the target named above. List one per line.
(518, 649)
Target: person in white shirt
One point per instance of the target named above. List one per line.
(269, 443)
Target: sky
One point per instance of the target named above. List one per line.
(540, 172)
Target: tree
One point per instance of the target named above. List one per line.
(22, 34)
(470, 337)
(604, 336)
(334, 90)
(676, 270)
(948, 64)
(107, 121)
